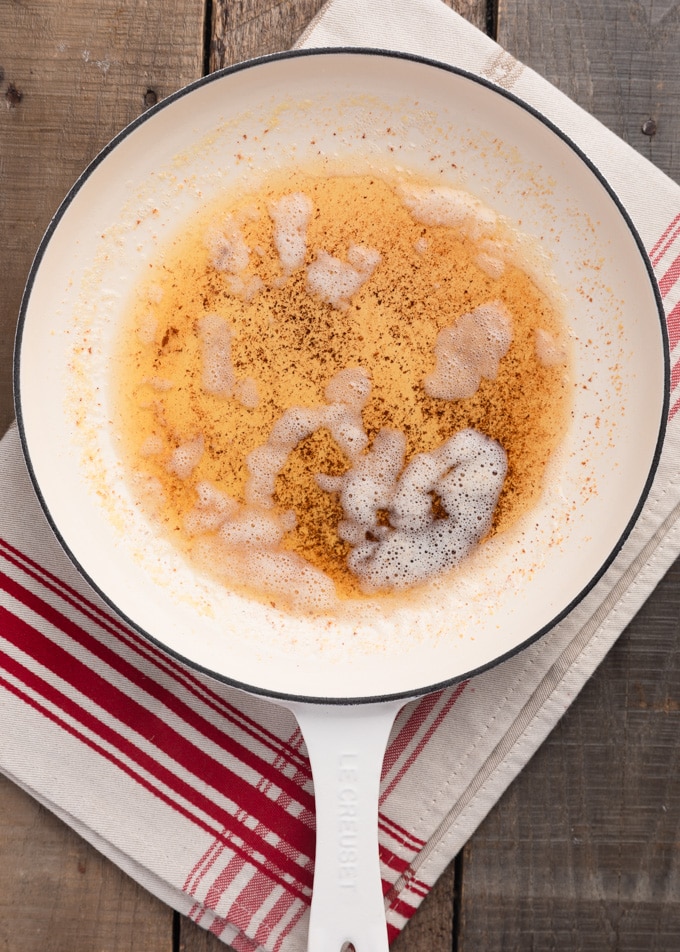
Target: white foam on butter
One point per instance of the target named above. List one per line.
(227, 247)
(467, 474)
(245, 286)
(247, 393)
(369, 486)
(492, 256)
(150, 492)
(147, 327)
(211, 509)
(185, 458)
(248, 547)
(450, 207)
(217, 371)
(396, 537)
(291, 215)
(491, 265)
(152, 445)
(548, 350)
(155, 293)
(335, 281)
(348, 392)
(253, 528)
(289, 576)
(469, 350)
(218, 375)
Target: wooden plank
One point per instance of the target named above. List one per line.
(257, 27)
(620, 61)
(57, 893)
(583, 852)
(431, 929)
(72, 76)
(241, 31)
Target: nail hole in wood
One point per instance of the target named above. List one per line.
(13, 96)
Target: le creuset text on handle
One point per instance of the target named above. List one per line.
(346, 746)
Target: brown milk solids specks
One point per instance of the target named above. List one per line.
(338, 386)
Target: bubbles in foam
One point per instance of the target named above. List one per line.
(248, 546)
(149, 490)
(211, 509)
(450, 207)
(147, 327)
(245, 286)
(336, 281)
(288, 575)
(281, 573)
(185, 458)
(155, 293)
(253, 528)
(494, 267)
(227, 247)
(364, 260)
(291, 216)
(469, 350)
(264, 464)
(467, 474)
(247, 393)
(351, 386)
(152, 445)
(369, 486)
(217, 372)
(548, 350)
(491, 258)
(210, 497)
(349, 390)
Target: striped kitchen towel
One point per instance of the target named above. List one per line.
(203, 794)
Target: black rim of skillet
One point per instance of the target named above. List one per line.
(324, 52)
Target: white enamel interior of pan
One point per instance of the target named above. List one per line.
(376, 109)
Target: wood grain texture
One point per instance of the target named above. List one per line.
(58, 894)
(247, 28)
(583, 852)
(619, 59)
(431, 929)
(72, 76)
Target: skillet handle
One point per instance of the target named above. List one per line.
(346, 746)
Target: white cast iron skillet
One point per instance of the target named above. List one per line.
(344, 682)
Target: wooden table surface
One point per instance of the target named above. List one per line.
(583, 851)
